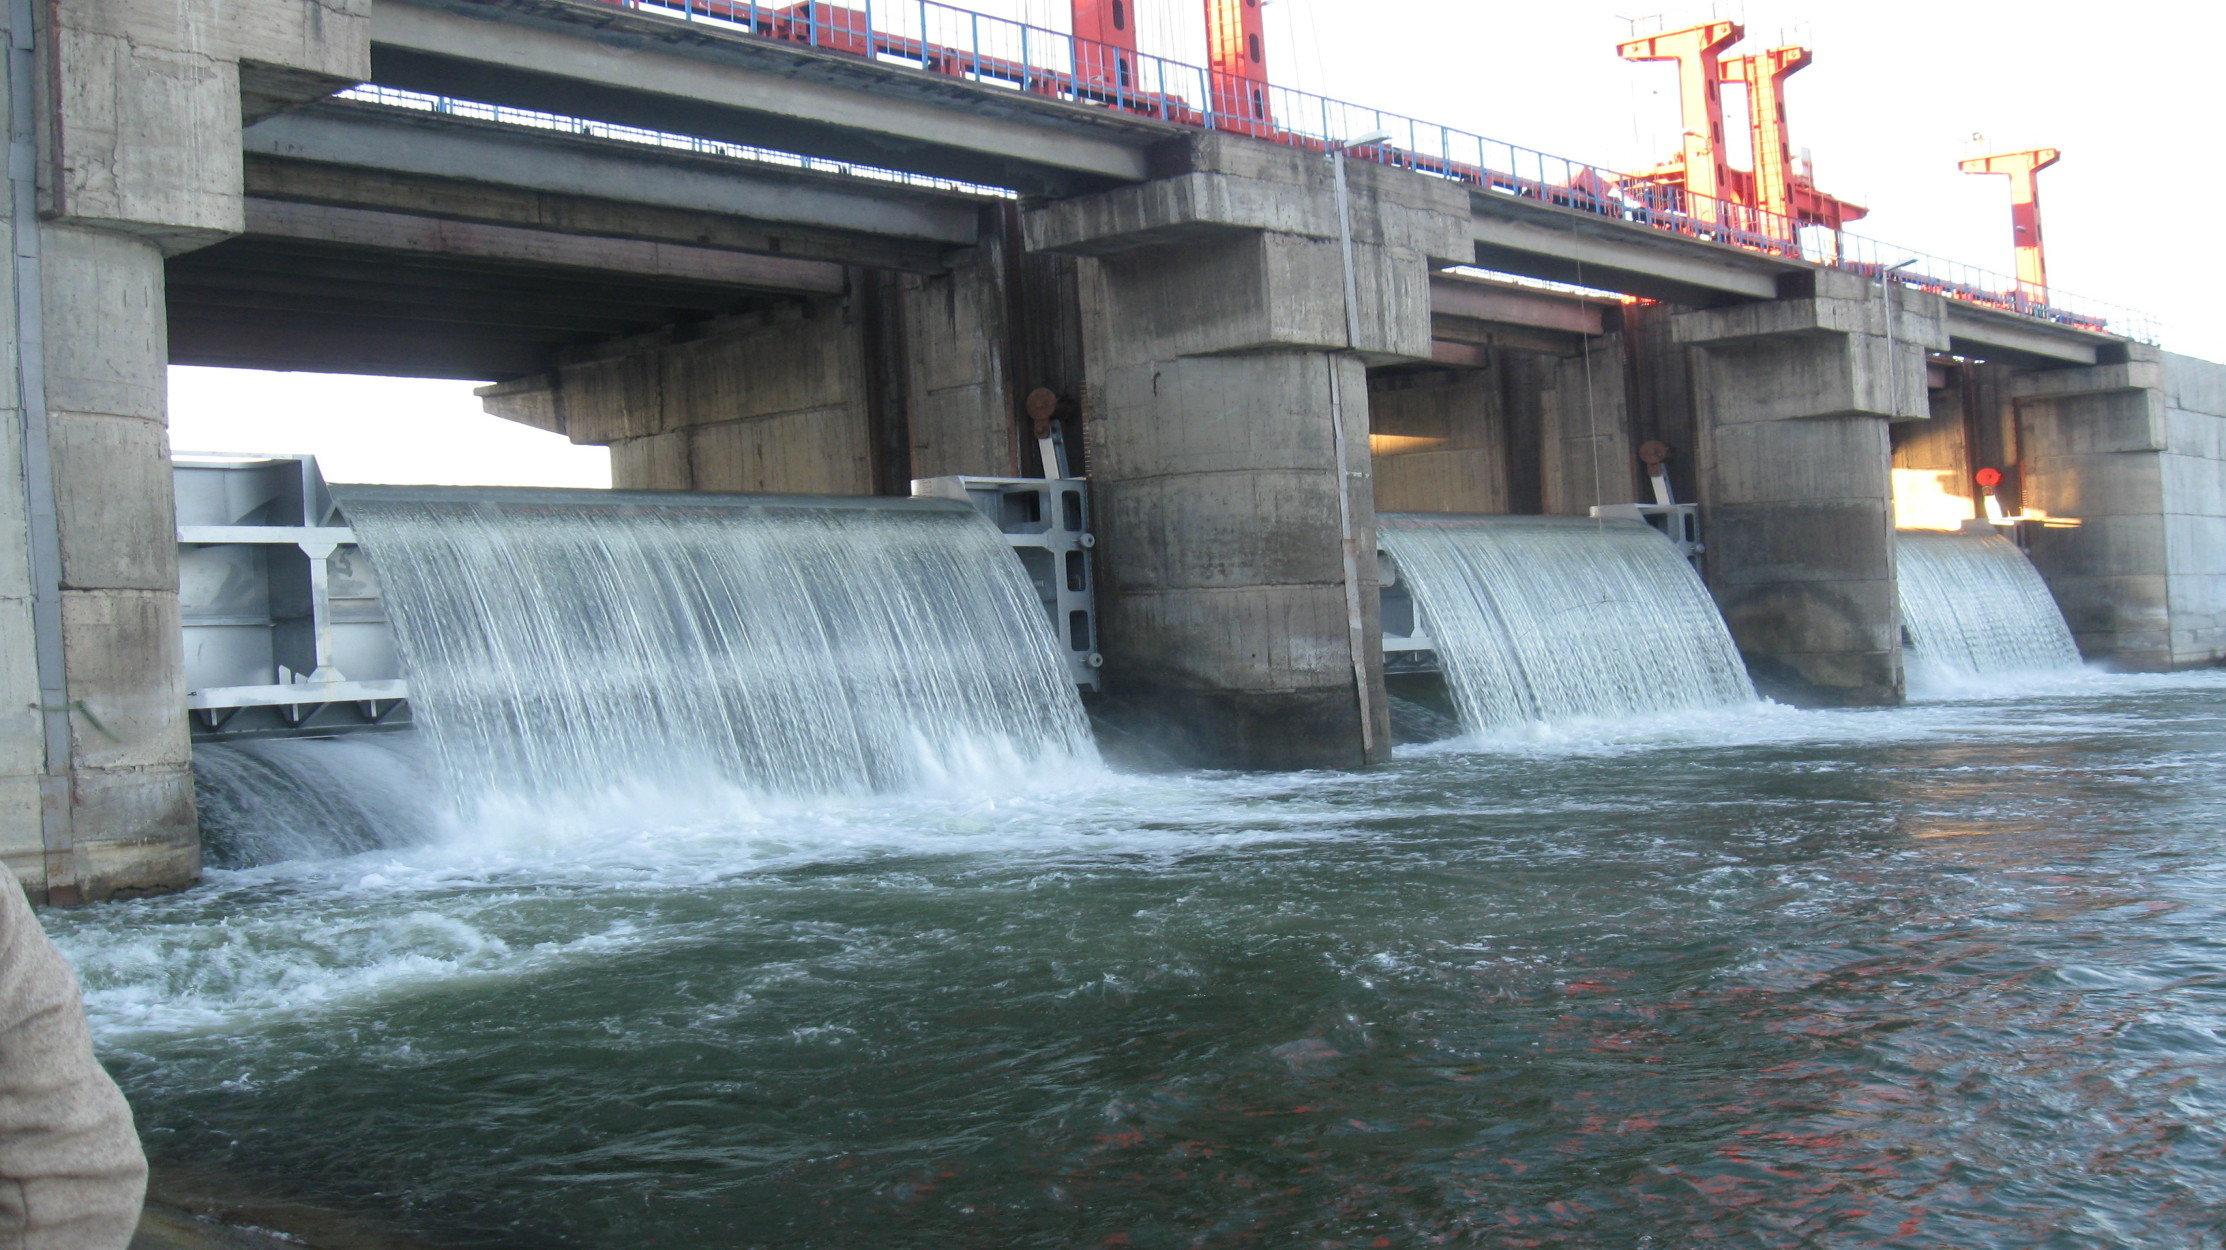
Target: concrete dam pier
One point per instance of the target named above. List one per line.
(819, 251)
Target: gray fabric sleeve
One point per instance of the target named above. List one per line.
(71, 1173)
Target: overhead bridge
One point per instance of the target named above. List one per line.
(967, 97)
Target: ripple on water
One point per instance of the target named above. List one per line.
(1941, 976)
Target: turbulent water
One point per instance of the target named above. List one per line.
(1942, 976)
(581, 644)
(266, 802)
(1539, 619)
(1973, 606)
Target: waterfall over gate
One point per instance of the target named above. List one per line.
(309, 798)
(1972, 606)
(571, 641)
(1548, 618)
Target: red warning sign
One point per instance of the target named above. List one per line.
(1990, 478)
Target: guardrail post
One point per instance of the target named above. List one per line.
(1024, 66)
(873, 51)
(977, 47)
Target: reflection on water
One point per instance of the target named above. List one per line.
(1946, 976)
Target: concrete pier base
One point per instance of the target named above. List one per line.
(2130, 460)
(1794, 399)
(1218, 365)
(125, 124)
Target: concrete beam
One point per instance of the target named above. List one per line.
(433, 236)
(1506, 304)
(1990, 334)
(458, 167)
(1542, 241)
(663, 73)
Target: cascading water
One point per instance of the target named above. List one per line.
(1546, 619)
(1974, 606)
(266, 801)
(570, 643)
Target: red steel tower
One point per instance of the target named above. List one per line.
(1106, 57)
(1237, 56)
(2023, 170)
(1702, 166)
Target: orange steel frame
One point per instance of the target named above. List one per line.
(1112, 23)
(2023, 170)
(1237, 56)
(1784, 197)
(1701, 166)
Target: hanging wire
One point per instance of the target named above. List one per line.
(1591, 408)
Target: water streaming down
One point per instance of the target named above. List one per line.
(1547, 619)
(585, 642)
(1974, 606)
(262, 802)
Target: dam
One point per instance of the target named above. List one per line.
(835, 251)
(1169, 659)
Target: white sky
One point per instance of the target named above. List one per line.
(2129, 91)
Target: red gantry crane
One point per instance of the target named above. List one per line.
(1237, 59)
(2023, 170)
(1782, 197)
(1701, 167)
(1110, 26)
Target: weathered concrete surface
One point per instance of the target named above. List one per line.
(1586, 454)
(1795, 398)
(2195, 508)
(2093, 443)
(2135, 454)
(1215, 330)
(149, 97)
(139, 107)
(1440, 439)
(902, 378)
(960, 409)
(770, 403)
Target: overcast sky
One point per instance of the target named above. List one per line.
(2129, 91)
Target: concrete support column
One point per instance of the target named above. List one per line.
(123, 118)
(1218, 365)
(104, 737)
(1794, 398)
(2094, 444)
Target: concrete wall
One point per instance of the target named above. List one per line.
(961, 411)
(1794, 398)
(1441, 441)
(133, 147)
(2092, 441)
(905, 377)
(769, 403)
(2194, 474)
(1216, 347)
(1586, 455)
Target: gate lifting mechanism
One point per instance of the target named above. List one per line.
(1783, 199)
(2023, 170)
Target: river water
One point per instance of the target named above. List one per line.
(1949, 975)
